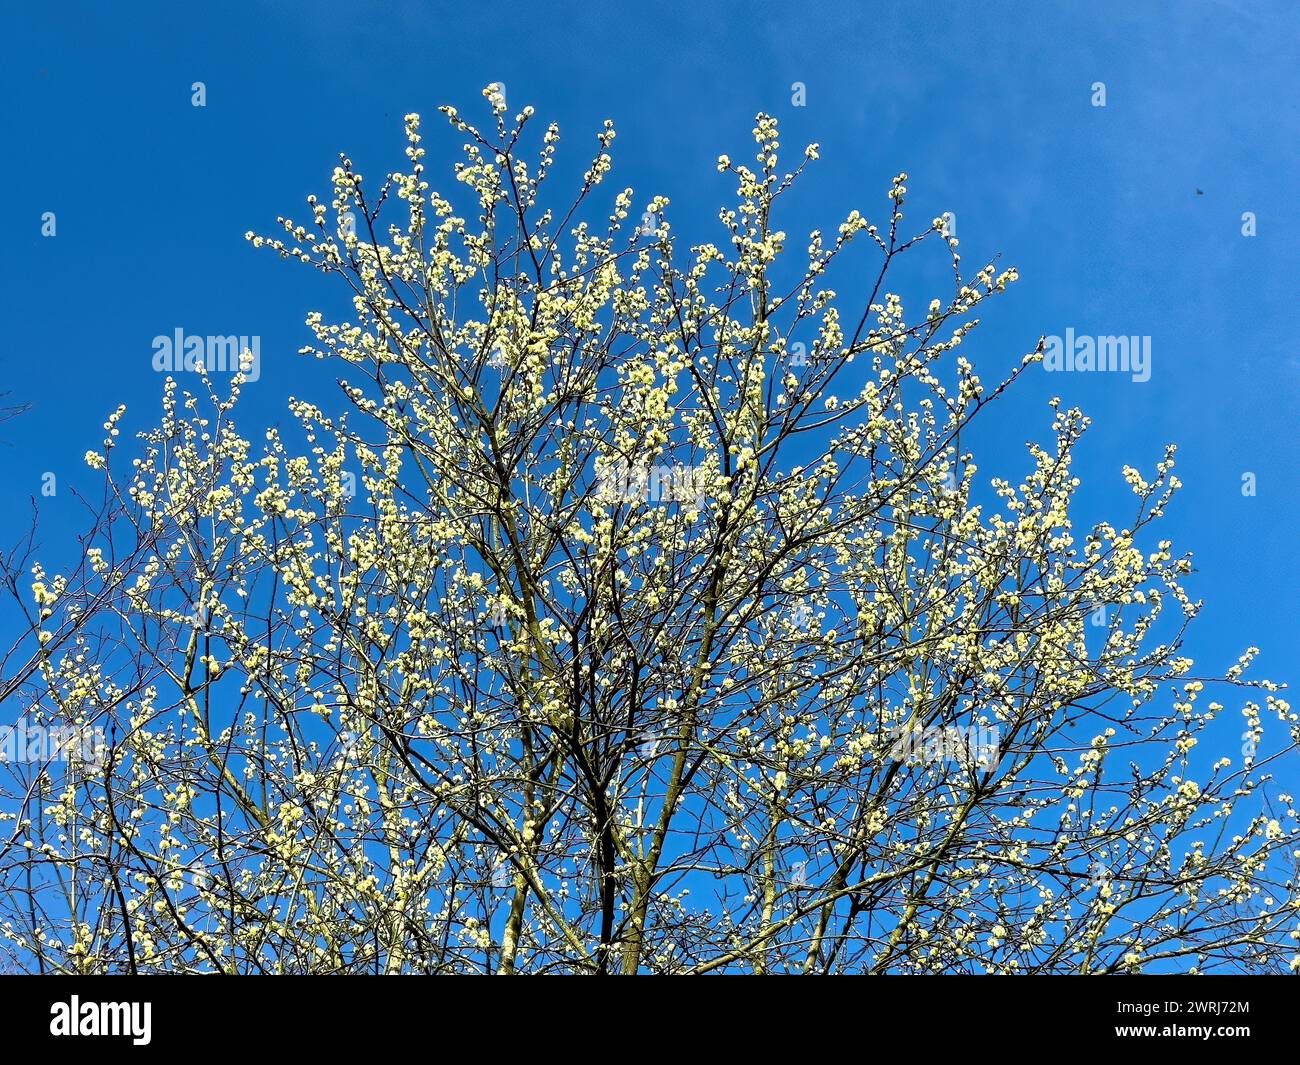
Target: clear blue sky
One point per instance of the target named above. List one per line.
(986, 106)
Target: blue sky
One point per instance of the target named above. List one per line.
(987, 107)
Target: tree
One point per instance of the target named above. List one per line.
(636, 609)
